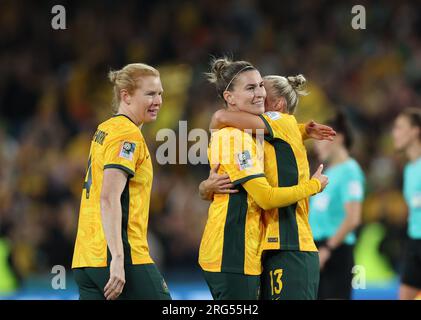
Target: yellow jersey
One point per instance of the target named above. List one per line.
(117, 143)
(234, 230)
(286, 164)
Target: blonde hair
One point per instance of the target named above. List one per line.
(126, 78)
(291, 88)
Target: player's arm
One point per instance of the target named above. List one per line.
(316, 131)
(351, 222)
(303, 131)
(114, 181)
(215, 184)
(352, 194)
(205, 191)
(238, 119)
(268, 197)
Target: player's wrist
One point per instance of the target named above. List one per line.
(317, 184)
(329, 247)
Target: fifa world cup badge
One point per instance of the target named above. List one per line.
(244, 160)
(127, 150)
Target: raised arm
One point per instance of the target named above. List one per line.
(316, 131)
(303, 131)
(241, 120)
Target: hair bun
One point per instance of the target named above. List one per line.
(112, 75)
(297, 82)
(218, 67)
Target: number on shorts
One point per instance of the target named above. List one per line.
(275, 281)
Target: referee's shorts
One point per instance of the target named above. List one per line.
(411, 272)
(336, 276)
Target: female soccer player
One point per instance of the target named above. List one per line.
(291, 265)
(230, 251)
(407, 138)
(336, 213)
(111, 257)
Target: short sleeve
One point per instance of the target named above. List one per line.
(238, 155)
(122, 151)
(276, 123)
(353, 187)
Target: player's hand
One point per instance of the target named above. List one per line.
(319, 131)
(115, 285)
(324, 180)
(219, 183)
(324, 255)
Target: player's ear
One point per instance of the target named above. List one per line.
(281, 106)
(228, 97)
(125, 96)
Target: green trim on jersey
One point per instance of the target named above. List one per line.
(125, 205)
(121, 167)
(245, 179)
(123, 115)
(287, 177)
(269, 136)
(235, 233)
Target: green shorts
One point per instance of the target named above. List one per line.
(232, 286)
(143, 282)
(290, 275)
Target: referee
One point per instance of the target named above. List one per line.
(407, 138)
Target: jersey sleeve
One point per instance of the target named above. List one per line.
(238, 155)
(353, 187)
(276, 123)
(123, 151)
(268, 197)
(302, 128)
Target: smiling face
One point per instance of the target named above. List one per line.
(404, 133)
(248, 93)
(146, 100)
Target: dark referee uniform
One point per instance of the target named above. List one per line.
(411, 272)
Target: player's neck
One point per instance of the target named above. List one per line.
(124, 110)
(341, 155)
(232, 107)
(414, 151)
